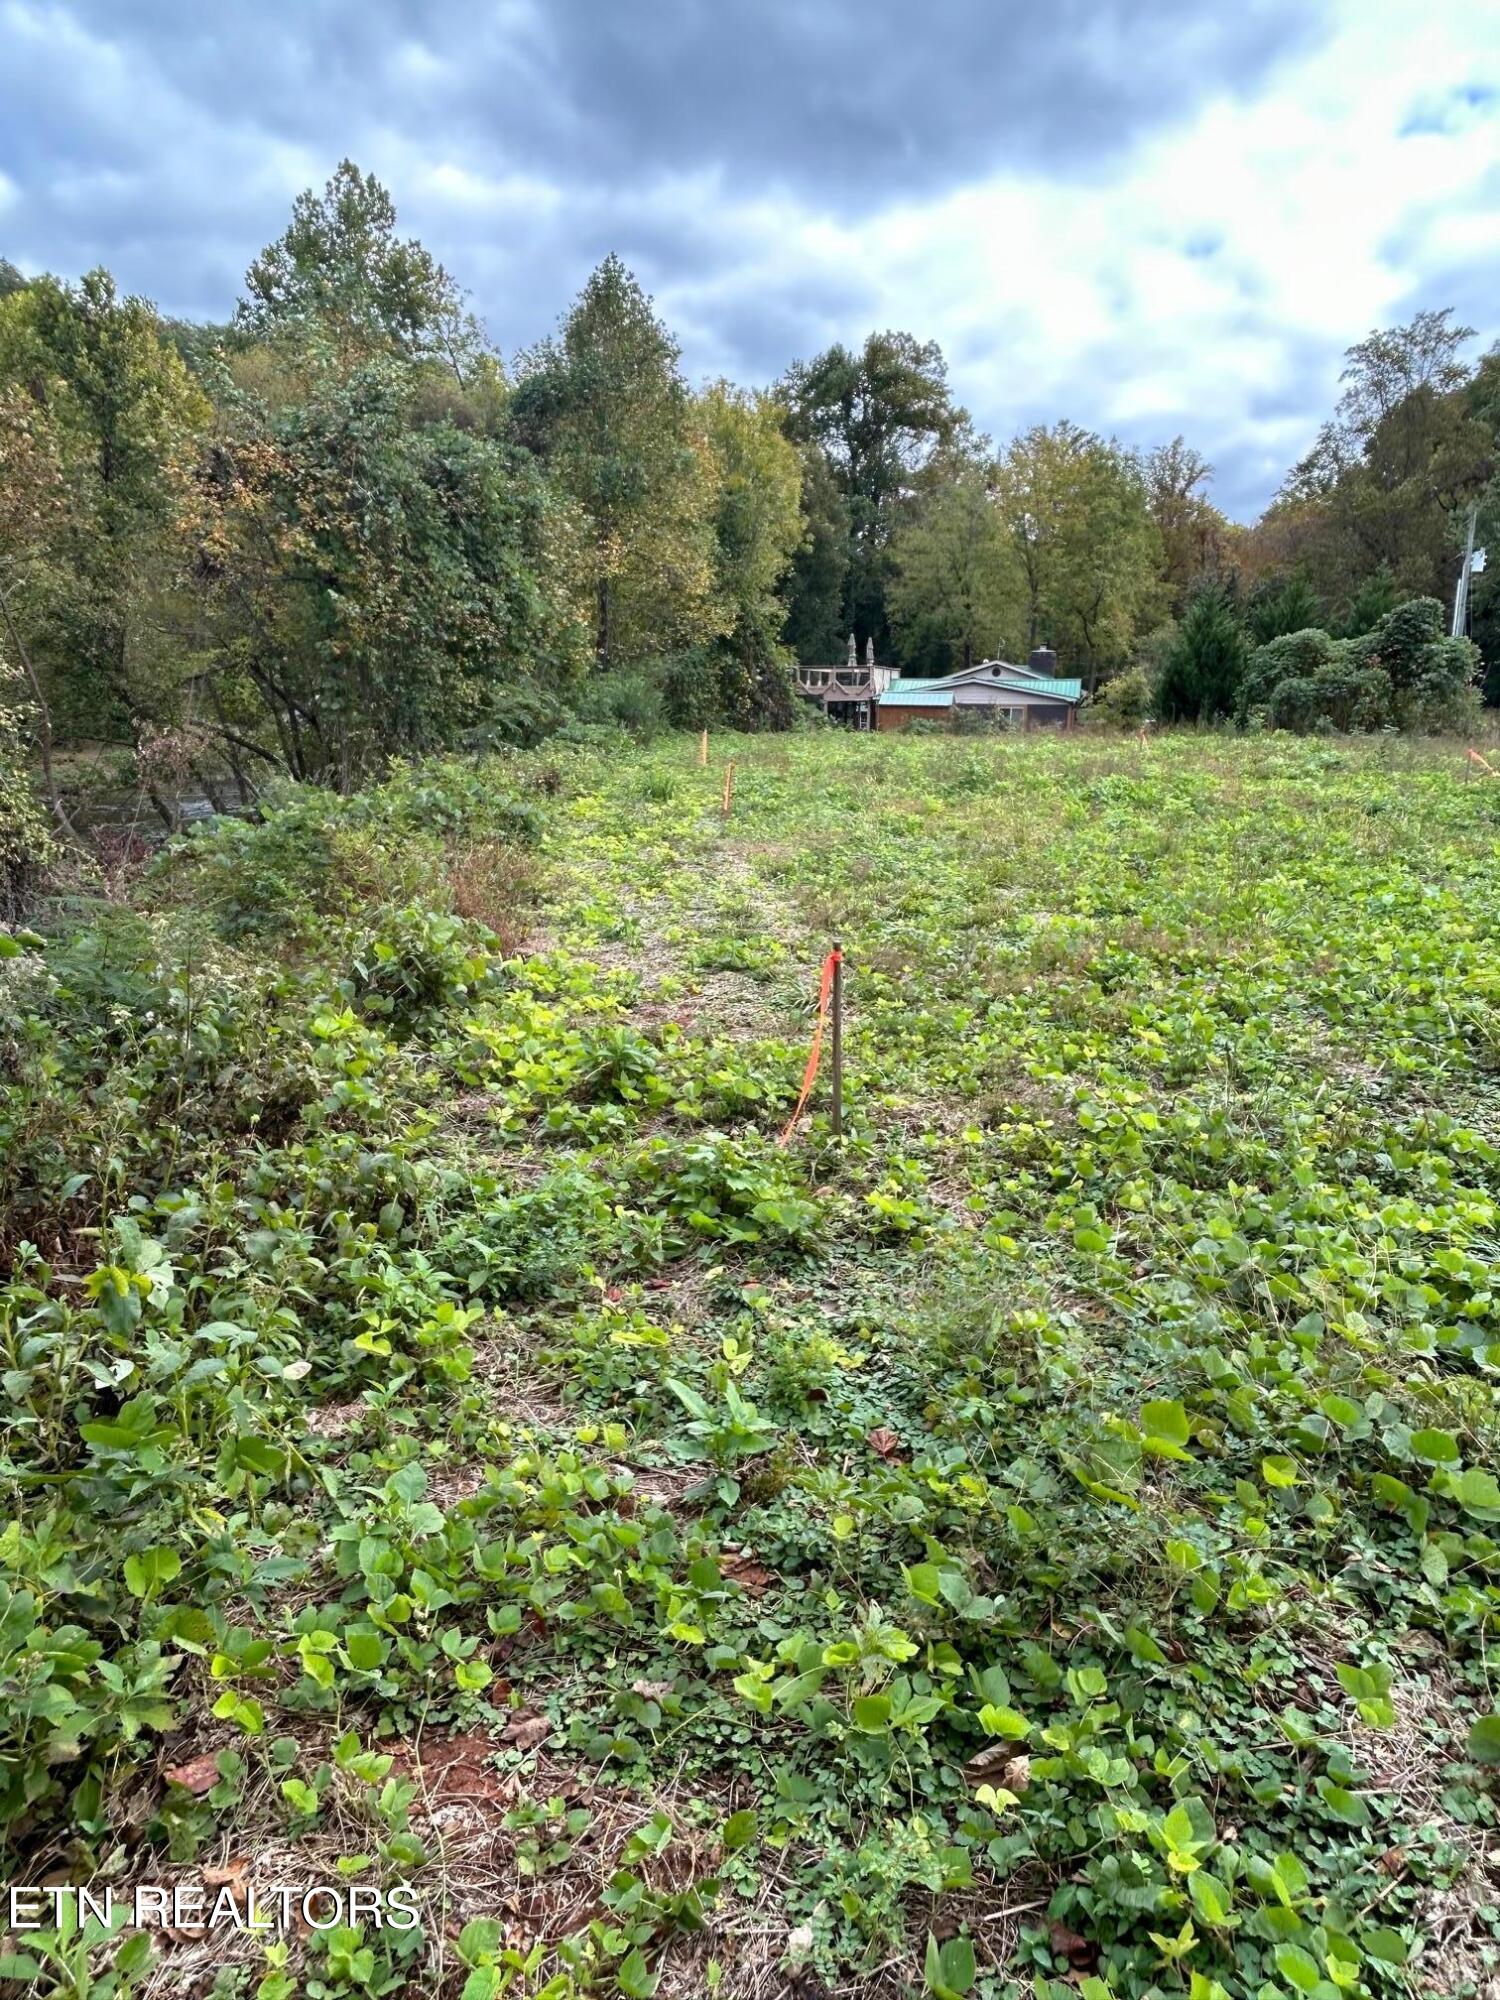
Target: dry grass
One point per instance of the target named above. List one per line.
(496, 884)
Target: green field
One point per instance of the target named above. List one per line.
(1049, 1535)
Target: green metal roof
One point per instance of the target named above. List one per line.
(1058, 690)
(939, 693)
(918, 694)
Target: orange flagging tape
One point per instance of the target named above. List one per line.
(1485, 762)
(810, 1074)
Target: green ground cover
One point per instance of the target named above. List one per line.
(1047, 1542)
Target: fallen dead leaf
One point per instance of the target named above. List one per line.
(233, 1875)
(525, 1732)
(453, 1767)
(198, 1775)
(1069, 1945)
(985, 1765)
(751, 1576)
(885, 1442)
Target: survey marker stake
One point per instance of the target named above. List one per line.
(830, 1004)
(837, 1051)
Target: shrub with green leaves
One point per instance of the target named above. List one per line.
(25, 842)
(1402, 674)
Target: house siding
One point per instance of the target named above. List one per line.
(1034, 711)
(982, 694)
(902, 718)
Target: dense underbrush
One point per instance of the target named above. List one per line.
(1051, 1534)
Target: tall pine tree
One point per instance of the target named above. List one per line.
(1202, 670)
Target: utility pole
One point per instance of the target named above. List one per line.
(1461, 595)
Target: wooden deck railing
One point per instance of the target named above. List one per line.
(835, 683)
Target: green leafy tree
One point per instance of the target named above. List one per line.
(817, 579)
(1127, 699)
(1485, 627)
(33, 516)
(369, 587)
(1077, 512)
(1385, 486)
(110, 409)
(956, 592)
(1482, 398)
(1202, 672)
(757, 526)
(880, 415)
(1194, 535)
(604, 406)
(25, 843)
(340, 276)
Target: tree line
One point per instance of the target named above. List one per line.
(336, 528)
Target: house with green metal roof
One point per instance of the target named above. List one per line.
(1031, 697)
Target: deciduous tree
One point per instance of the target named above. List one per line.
(879, 414)
(604, 406)
(957, 594)
(817, 579)
(1075, 507)
(757, 525)
(111, 409)
(1386, 484)
(1194, 534)
(368, 586)
(339, 276)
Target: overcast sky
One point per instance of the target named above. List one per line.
(1150, 216)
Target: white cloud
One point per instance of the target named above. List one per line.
(1205, 277)
(1325, 205)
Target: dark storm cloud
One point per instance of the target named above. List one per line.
(855, 100)
(155, 125)
(702, 139)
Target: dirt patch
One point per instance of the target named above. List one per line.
(448, 1484)
(506, 1372)
(1409, 1760)
(664, 1486)
(333, 1420)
